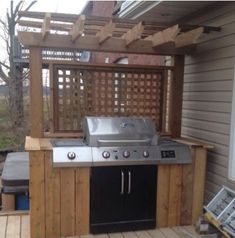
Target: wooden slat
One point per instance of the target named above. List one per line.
(36, 94)
(78, 28)
(175, 185)
(133, 34)
(188, 38)
(106, 32)
(13, 227)
(25, 227)
(53, 194)
(115, 235)
(37, 194)
(129, 235)
(198, 183)
(176, 97)
(91, 43)
(46, 25)
(68, 209)
(164, 37)
(169, 233)
(163, 195)
(156, 233)
(3, 226)
(143, 234)
(8, 202)
(82, 201)
(187, 193)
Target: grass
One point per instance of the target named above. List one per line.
(8, 140)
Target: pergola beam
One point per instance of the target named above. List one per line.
(91, 43)
(46, 25)
(188, 38)
(77, 28)
(164, 37)
(106, 32)
(133, 34)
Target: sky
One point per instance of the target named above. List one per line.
(64, 6)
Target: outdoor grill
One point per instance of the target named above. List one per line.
(113, 141)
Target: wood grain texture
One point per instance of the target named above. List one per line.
(187, 193)
(36, 94)
(82, 201)
(198, 183)
(37, 194)
(13, 227)
(175, 191)
(67, 202)
(53, 196)
(3, 226)
(25, 227)
(176, 97)
(8, 202)
(163, 195)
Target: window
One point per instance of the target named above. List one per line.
(231, 169)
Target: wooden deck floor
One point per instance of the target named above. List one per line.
(17, 226)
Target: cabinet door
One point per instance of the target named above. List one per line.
(140, 199)
(106, 194)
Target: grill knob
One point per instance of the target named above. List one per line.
(146, 154)
(126, 154)
(106, 154)
(71, 155)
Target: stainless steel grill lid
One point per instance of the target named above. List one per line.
(119, 131)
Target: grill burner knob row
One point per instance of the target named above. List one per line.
(106, 154)
(146, 154)
(126, 154)
(71, 155)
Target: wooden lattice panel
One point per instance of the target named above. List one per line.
(105, 91)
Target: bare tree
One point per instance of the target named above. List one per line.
(10, 71)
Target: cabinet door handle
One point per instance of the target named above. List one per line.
(122, 182)
(129, 182)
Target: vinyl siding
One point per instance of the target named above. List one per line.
(207, 99)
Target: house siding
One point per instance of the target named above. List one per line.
(207, 98)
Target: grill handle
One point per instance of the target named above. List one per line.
(129, 182)
(117, 142)
(122, 183)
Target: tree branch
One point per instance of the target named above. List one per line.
(3, 76)
(4, 65)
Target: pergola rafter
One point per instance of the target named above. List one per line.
(107, 35)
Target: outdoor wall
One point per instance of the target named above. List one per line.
(207, 99)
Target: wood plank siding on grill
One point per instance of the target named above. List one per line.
(207, 98)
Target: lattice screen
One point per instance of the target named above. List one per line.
(105, 91)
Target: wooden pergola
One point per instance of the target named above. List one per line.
(60, 197)
(39, 30)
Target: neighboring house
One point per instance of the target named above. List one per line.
(105, 9)
(209, 92)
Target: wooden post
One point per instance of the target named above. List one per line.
(175, 113)
(36, 92)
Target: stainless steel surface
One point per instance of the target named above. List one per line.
(122, 182)
(72, 156)
(111, 141)
(113, 131)
(129, 182)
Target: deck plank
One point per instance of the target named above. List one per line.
(156, 234)
(13, 227)
(143, 234)
(25, 228)
(129, 235)
(3, 226)
(115, 235)
(169, 233)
